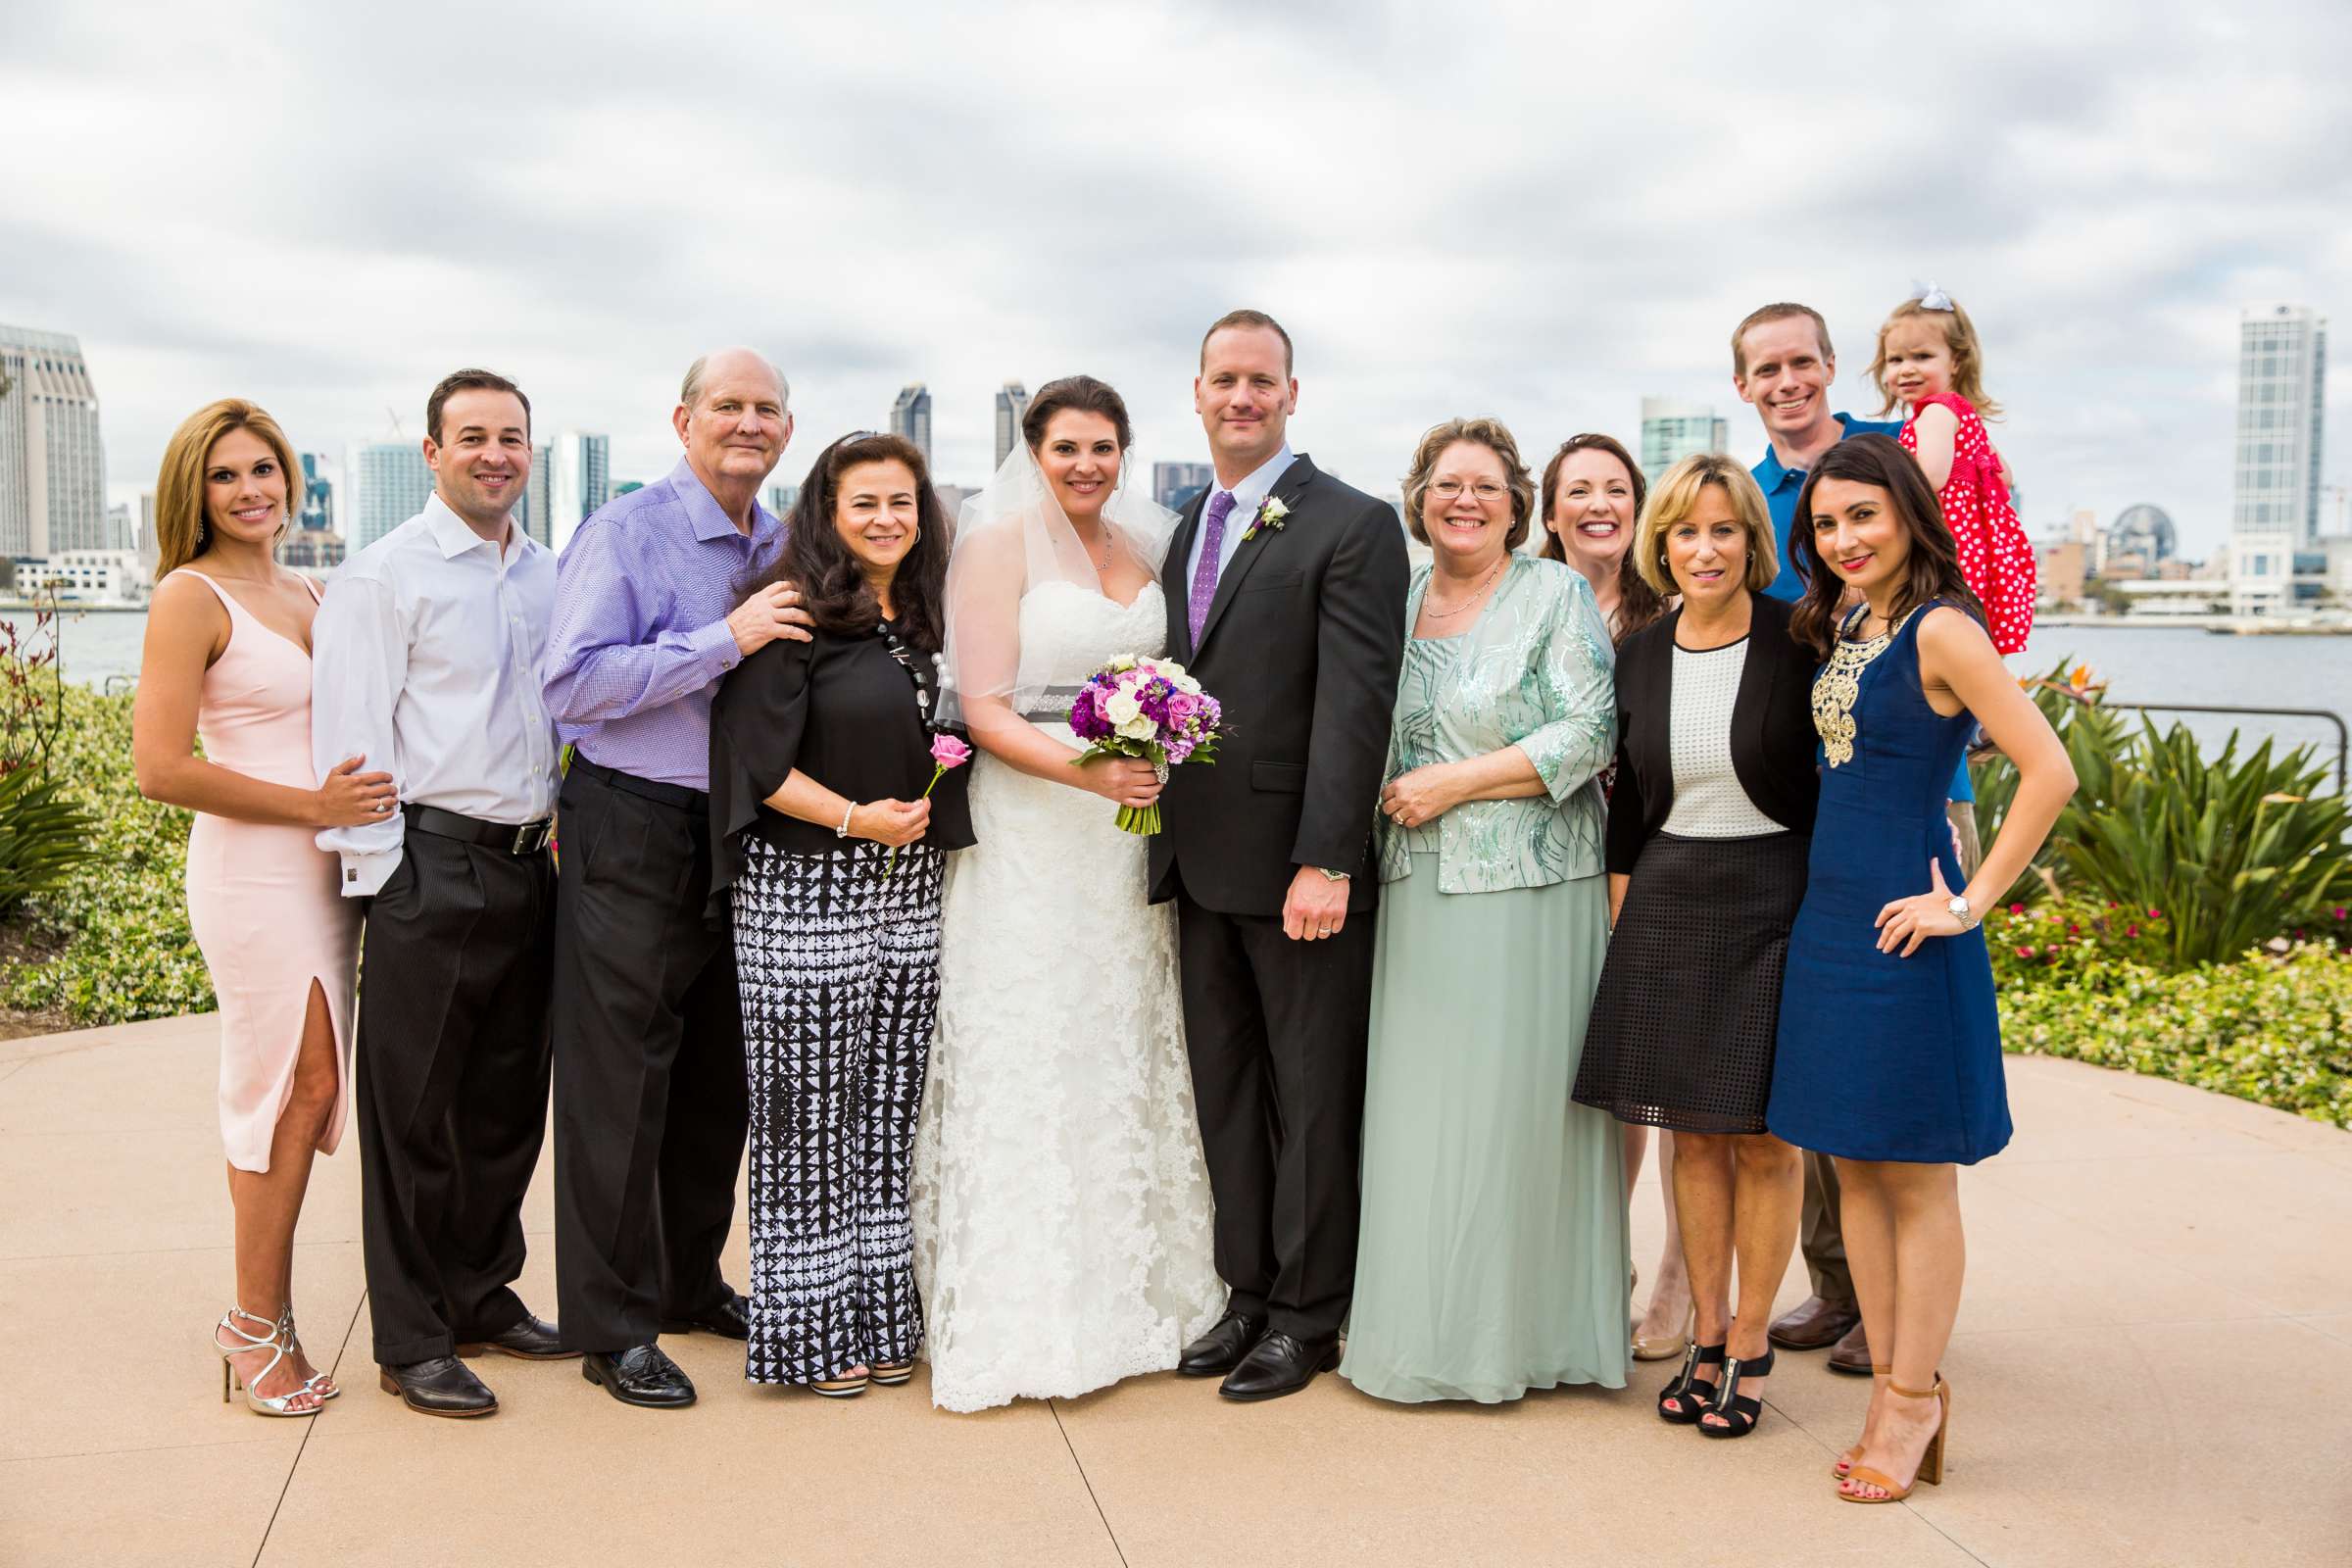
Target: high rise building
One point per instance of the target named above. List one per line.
(1012, 401)
(149, 551)
(317, 514)
(2282, 414)
(52, 461)
(536, 510)
(1175, 483)
(581, 481)
(779, 498)
(389, 484)
(1673, 430)
(910, 417)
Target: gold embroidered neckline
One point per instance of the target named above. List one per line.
(1839, 684)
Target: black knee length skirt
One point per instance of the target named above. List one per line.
(1690, 1001)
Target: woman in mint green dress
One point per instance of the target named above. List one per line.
(1492, 1257)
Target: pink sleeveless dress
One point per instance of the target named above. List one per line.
(263, 898)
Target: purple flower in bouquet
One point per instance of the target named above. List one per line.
(1149, 709)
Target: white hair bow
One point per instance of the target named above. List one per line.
(1928, 297)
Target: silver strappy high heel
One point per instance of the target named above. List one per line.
(273, 1341)
(322, 1384)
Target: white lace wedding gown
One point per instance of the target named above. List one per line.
(1061, 1208)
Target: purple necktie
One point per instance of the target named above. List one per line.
(1204, 575)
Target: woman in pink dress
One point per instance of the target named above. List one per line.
(227, 658)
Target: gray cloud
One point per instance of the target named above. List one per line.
(1543, 213)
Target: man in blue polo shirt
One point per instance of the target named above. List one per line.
(1783, 364)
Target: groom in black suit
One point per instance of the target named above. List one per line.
(1286, 597)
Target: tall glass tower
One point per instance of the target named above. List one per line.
(910, 417)
(2275, 483)
(52, 459)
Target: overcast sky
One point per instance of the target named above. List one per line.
(1542, 211)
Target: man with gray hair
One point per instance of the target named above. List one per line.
(655, 602)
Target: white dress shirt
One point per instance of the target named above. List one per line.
(1248, 496)
(425, 660)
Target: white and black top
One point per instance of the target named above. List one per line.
(1709, 802)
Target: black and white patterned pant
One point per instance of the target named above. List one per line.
(838, 964)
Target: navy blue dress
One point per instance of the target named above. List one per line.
(1878, 1057)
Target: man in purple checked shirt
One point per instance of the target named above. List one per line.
(649, 1082)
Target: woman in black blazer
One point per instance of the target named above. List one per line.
(1708, 830)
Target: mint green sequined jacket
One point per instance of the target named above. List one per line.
(1536, 671)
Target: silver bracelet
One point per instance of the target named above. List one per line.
(843, 831)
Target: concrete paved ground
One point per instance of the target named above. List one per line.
(2153, 1366)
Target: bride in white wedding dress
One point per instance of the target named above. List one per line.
(1061, 1208)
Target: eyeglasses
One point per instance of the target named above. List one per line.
(1486, 491)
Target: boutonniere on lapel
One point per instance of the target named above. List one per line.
(1269, 519)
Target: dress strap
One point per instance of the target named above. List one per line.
(226, 597)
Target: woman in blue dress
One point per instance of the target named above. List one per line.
(1889, 1051)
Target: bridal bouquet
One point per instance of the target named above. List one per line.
(1151, 709)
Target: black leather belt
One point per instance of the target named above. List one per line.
(527, 839)
(678, 795)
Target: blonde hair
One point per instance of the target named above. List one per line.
(1676, 496)
(1968, 358)
(1496, 437)
(182, 532)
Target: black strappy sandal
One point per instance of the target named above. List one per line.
(1696, 1392)
(1741, 1411)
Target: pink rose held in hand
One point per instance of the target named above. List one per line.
(948, 752)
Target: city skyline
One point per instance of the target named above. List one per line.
(2102, 185)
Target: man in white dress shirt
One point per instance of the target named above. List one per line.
(426, 655)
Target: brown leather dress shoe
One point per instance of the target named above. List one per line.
(1814, 1326)
(1851, 1354)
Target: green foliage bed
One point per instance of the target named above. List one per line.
(121, 918)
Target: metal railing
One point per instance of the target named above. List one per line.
(2343, 735)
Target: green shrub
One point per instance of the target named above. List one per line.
(122, 916)
(43, 835)
(2235, 851)
(2275, 1030)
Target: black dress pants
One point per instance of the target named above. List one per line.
(452, 1085)
(1276, 1030)
(650, 1098)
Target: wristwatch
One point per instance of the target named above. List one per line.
(1960, 911)
(1329, 875)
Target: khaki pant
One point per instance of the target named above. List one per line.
(1819, 1236)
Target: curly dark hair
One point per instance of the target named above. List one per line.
(833, 589)
(1932, 569)
(1638, 603)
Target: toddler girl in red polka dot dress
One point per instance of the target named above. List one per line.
(1928, 361)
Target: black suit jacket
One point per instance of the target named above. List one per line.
(1301, 645)
(1772, 729)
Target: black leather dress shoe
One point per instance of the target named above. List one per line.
(441, 1386)
(1221, 1348)
(730, 1318)
(640, 1375)
(1279, 1364)
(534, 1339)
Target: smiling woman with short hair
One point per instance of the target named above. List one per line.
(1491, 1255)
(1708, 831)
